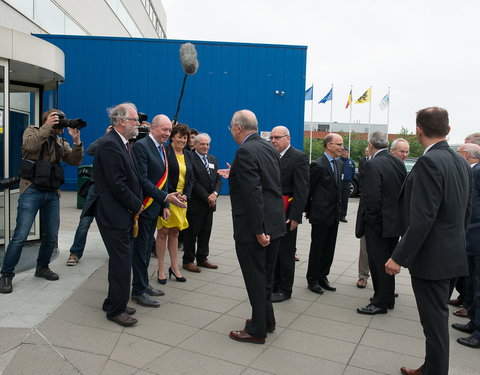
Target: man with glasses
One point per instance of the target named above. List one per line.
(294, 179)
(116, 203)
(323, 212)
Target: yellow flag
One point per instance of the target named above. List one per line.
(365, 98)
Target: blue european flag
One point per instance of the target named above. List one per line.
(309, 93)
(327, 97)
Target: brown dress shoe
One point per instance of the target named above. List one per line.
(270, 329)
(361, 283)
(462, 313)
(245, 337)
(207, 264)
(410, 371)
(123, 319)
(191, 267)
(455, 302)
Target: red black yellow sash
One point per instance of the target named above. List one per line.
(160, 184)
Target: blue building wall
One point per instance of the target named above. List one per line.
(101, 72)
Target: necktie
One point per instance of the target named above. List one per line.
(160, 150)
(129, 149)
(205, 162)
(334, 167)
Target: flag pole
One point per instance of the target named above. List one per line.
(370, 110)
(350, 125)
(388, 109)
(331, 108)
(311, 127)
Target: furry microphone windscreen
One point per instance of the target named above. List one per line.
(188, 58)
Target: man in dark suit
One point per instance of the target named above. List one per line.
(258, 221)
(116, 202)
(323, 211)
(378, 219)
(294, 177)
(151, 159)
(363, 268)
(434, 212)
(201, 206)
(471, 153)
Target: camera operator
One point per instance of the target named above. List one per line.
(41, 176)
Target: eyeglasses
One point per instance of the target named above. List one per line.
(230, 127)
(132, 119)
(276, 137)
(338, 144)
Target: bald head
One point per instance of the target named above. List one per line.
(280, 137)
(243, 123)
(161, 128)
(470, 151)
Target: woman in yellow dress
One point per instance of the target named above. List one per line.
(180, 178)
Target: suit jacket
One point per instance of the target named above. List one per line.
(434, 211)
(151, 169)
(118, 190)
(255, 191)
(361, 165)
(473, 232)
(295, 178)
(205, 184)
(384, 177)
(173, 171)
(323, 201)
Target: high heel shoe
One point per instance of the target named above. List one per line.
(180, 279)
(161, 281)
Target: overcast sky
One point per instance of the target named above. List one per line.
(427, 51)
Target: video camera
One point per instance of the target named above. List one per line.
(143, 131)
(75, 123)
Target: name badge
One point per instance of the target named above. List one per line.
(211, 166)
(342, 177)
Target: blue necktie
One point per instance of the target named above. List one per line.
(160, 149)
(205, 162)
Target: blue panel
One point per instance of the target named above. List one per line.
(101, 72)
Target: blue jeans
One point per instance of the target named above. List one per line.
(30, 201)
(80, 239)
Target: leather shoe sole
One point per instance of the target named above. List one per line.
(463, 327)
(280, 297)
(409, 371)
(243, 336)
(316, 289)
(123, 319)
(471, 342)
(207, 264)
(270, 329)
(191, 267)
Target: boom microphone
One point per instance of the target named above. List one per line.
(188, 58)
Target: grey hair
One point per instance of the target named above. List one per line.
(118, 112)
(197, 137)
(473, 138)
(473, 149)
(246, 119)
(396, 141)
(379, 140)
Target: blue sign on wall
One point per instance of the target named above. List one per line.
(101, 72)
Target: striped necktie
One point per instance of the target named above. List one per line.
(205, 162)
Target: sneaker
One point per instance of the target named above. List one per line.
(46, 273)
(72, 260)
(6, 284)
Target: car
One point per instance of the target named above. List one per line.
(356, 183)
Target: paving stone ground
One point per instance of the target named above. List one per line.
(59, 327)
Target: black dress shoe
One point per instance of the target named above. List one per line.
(325, 284)
(471, 342)
(152, 292)
(315, 288)
(280, 296)
(391, 305)
(467, 328)
(343, 220)
(371, 310)
(123, 319)
(145, 300)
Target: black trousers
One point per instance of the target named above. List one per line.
(119, 244)
(257, 264)
(322, 249)
(472, 293)
(379, 251)
(285, 265)
(142, 250)
(344, 200)
(432, 298)
(198, 232)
